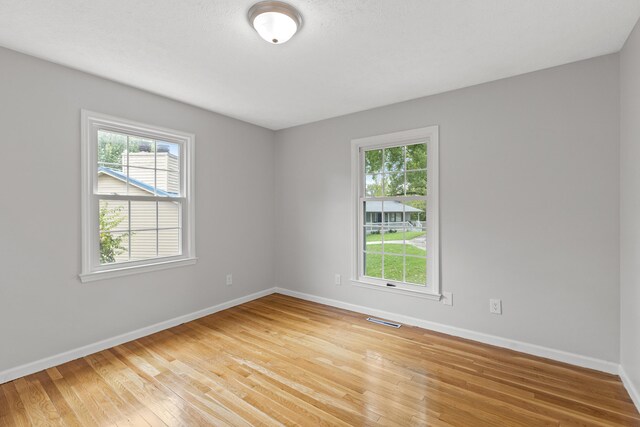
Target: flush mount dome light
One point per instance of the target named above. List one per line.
(275, 21)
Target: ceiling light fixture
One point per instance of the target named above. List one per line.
(275, 21)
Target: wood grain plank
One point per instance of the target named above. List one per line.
(17, 414)
(279, 361)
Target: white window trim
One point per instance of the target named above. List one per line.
(91, 269)
(429, 133)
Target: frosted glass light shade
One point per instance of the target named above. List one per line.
(274, 27)
(275, 22)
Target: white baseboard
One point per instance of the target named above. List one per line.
(536, 350)
(67, 356)
(533, 349)
(631, 388)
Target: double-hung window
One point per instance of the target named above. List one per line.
(396, 227)
(137, 210)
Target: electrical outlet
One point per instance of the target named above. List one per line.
(338, 279)
(447, 298)
(229, 279)
(495, 306)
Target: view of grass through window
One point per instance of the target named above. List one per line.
(394, 207)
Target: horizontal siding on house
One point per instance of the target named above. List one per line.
(110, 185)
(163, 162)
(142, 216)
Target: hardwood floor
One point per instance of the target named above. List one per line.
(280, 360)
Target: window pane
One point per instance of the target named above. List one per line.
(373, 161)
(168, 214)
(169, 242)
(162, 179)
(417, 183)
(394, 159)
(416, 270)
(373, 265)
(151, 168)
(141, 181)
(168, 183)
(373, 238)
(111, 146)
(143, 216)
(114, 215)
(140, 145)
(393, 243)
(393, 267)
(168, 156)
(373, 226)
(416, 213)
(415, 241)
(114, 247)
(394, 184)
(373, 185)
(394, 214)
(143, 244)
(111, 181)
(373, 213)
(410, 242)
(392, 240)
(416, 156)
(112, 166)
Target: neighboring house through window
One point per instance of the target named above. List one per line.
(395, 196)
(137, 197)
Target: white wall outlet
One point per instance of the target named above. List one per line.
(495, 306)
(447, 298)
(229, 279)
(338, 279)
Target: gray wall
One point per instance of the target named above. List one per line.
(529, 206)
(630, 207)
(529, 202)
(44, 309)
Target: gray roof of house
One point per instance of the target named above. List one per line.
(122, 177)
(391, 206)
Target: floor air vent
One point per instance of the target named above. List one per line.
(383, 322)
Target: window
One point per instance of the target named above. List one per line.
(137, 210)
(396, 227)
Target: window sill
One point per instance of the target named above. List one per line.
(402, 291)
(127, 271)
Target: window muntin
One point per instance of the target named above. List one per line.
(130, 230)
(397, 232)
(137, 204)
(394, 233)
(138, 166)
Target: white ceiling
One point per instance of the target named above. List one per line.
(350, 55)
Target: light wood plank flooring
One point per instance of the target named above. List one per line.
(279, 360)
